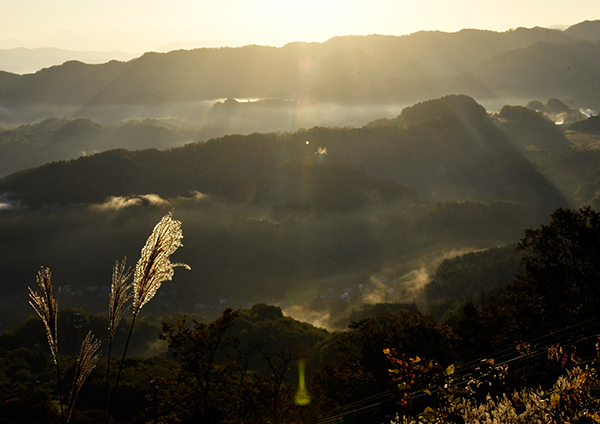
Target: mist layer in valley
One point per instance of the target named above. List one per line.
(318, 221)
(317, 176)
(165, 100)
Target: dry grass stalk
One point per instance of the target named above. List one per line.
(119, 295)
(88, 357)
(46, 307)
(154, 265)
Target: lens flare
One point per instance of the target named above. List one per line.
(302, 396)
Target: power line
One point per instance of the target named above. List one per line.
(573, 335)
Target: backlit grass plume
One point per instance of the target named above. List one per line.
(46, 307)
(155, 265)
(119, 295)
(88, 357)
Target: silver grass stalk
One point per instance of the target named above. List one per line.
(119, 295)
(155, 265)
(46, 307)
(88, 357)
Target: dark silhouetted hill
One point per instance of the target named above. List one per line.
(590, 125)
(557, 111)
(32, 145)
(6, 77)
(73, 82)
(588, 30)
(29, 60)
(530, 130)
(554, 69)
(352, 69)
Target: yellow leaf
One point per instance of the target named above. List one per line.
(450, 370)
(555, 401)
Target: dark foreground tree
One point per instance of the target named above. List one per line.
(560, 285)
(208, 370)
(359, 369)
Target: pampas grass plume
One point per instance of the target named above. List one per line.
(155, 265)
(88, 357)
(46, 307)
(119, 295)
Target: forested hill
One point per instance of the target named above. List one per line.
(445, 149)
(344, 69)
(6, 77)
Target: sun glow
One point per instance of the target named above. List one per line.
(143, 25)
(308, 10)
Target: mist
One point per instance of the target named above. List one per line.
(321, 178)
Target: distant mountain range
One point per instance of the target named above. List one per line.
(536, 62)
(25, 61)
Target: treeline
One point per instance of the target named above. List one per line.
(354, 70)
(255, 364)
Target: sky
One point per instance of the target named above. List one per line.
(144, 25)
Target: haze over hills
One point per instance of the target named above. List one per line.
(353, 70)
(295, 218)
(445, 149)
(134, 42)
(384, 185)
(22, 60)
(54, 139)
(383, 190)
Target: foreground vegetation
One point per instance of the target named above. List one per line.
(247, 365)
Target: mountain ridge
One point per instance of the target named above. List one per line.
(391, 64)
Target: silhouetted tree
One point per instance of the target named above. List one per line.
(559, 285)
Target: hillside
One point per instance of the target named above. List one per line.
(446, 149)
(29, 60)
(31, 145)
(589, 30)
(6, 77)
(556, 70)
(315, 220)
(529, 130)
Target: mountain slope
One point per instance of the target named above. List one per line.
(6, 77)
(373, 68)
(25, 61)
(50, 140)
(445, 149)
(553, 69)
(587, 30)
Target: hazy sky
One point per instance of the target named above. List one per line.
(268, 22)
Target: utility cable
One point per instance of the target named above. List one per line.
(572, 335)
